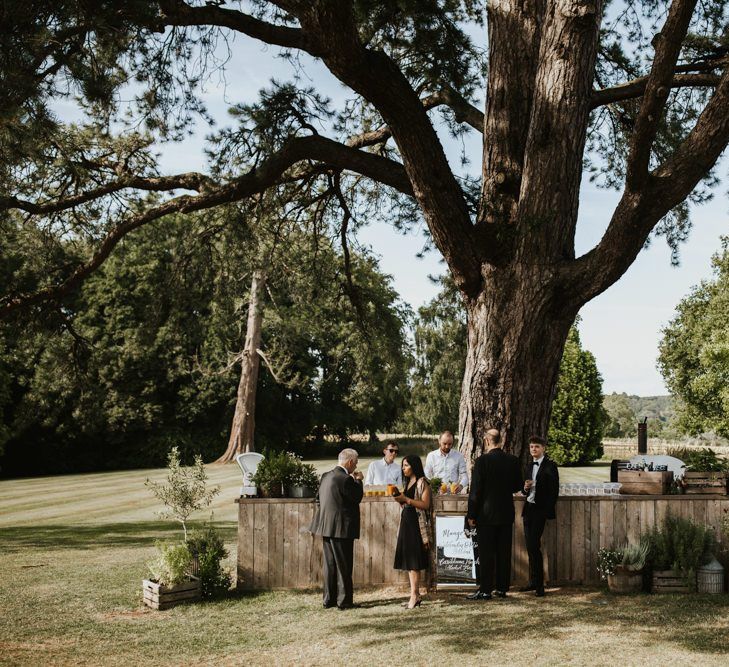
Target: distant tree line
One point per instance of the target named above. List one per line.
(142, 357)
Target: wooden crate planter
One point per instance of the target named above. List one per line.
(669, 581)
(645, 483)
(162, 597)
(705, 483)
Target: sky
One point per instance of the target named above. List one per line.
(621, 327)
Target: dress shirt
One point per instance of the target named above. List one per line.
(382, 472)
(450, 467)
(535, 472)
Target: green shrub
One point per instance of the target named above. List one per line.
(700, 460)
(680, 545)
(304, 475)
(435, 485)
(172, 564)
(635, 556)
(207, 545)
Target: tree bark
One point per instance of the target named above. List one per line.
(517, 329)
(242, 433)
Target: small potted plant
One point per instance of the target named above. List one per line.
(628, 574)
(303, 481)
(435, 483)
(273, 473)
(677, 550)
(706, 472)
(170, 583)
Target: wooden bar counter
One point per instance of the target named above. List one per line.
(276, 551)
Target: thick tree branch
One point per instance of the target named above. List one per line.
(188, 181)
(639, 212)
(668, 44)
(257, 180)
(636, 88)
(374, 76)
(179, 13)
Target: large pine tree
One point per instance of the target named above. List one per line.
(646, 84)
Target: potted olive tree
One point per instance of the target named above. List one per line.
(184, 492)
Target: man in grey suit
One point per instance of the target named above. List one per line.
(337, 521)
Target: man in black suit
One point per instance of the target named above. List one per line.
(541, 488)
(337, 521)
(496, 477)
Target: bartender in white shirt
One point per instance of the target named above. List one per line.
(385, 471)
(447, 464)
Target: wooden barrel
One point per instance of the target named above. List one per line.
(625, 581)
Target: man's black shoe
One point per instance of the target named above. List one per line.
(540, 592)
(500, 594)
(478, 595)
(527, 588)
(344, 607)
(329, 605)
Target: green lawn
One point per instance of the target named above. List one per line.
(73, 557)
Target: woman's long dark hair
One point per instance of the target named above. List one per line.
(415, 464)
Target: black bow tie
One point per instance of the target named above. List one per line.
(535, 463)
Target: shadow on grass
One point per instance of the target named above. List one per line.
(693, 622)
(98, 536)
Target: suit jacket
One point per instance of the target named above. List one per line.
(337, 513)
(545, 497)
(496, 477)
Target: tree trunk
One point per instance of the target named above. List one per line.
(517, 328)
(244, 420)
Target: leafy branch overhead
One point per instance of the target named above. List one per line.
(142, 66)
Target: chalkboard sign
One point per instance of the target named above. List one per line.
(454, 562)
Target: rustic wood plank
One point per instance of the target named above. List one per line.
(244, 569)
(577, 541)
(291, 544)
(620, 522)
(564, 553)
(549, 545)
(662, 510)
(520, 561)
(392, 523)
(698, 511)
(606, 523)
(275, 544)
(305, 578)
(633, 509)
(260, 546)
(647, 516)
(593, 531)
(377, 542)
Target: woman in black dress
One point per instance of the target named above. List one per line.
(410, 553)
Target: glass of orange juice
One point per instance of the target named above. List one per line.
(444, 487)
(454, 487)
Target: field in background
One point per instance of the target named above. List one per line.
(121, 497)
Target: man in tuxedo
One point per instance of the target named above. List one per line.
(541, 488)
(337, 521)
(496, 477)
